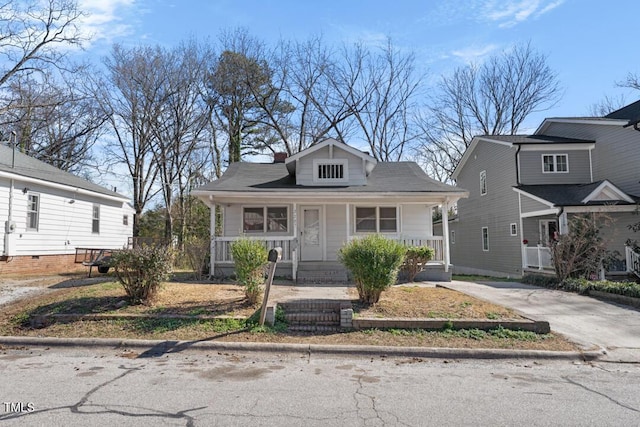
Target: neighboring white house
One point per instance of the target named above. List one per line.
(48, 213)
(313, 202)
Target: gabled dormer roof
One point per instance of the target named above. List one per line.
(330, 142)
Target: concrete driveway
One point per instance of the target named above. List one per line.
(586, 321)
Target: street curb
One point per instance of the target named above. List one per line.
(158, 347)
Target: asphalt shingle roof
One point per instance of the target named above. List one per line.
(629, 112)
(386, 177)
(564, 194)
(30, 167)
(536, 139)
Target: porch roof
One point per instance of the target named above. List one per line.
(570, 194)
(386, 177)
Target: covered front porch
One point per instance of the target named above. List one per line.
(311, 234)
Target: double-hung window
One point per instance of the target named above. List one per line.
(95, 219)
(265, 219)
(485, 238)
(555, 163)
(33, 211)
(376, 219)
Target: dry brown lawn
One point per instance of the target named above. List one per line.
(409, 301)
(84, 296)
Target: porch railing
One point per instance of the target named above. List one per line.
(221, 247)
(538, 257)
(435, 242)
(633, 260)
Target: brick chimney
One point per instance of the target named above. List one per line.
(279, 157)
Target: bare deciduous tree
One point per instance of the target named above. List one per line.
(31, 33)
(57, 122)
(133, 96)
(489, 99)
(607, 105)
(181, 129)
(382, 99)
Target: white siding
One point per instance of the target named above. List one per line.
(304, 169)
(416, 221)
(336, 229)
(64, 225)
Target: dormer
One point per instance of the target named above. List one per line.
(330, 163)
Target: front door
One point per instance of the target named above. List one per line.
(311, 232)
(548, 231)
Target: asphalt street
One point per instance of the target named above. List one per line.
(84, 386)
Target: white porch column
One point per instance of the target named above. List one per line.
(445, 234)
(346, 232)
(212, 232)
(296, 242)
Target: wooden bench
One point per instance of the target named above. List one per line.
(95, 257)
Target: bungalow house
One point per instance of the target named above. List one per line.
(525, 188)
(312, 202)
(48, 213)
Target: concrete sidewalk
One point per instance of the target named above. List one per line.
(586, 321)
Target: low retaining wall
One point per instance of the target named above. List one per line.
(540, 327)
(622, 299)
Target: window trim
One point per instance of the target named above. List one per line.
(377, 219)
(555, 162)
(513, 228)
(37, 211)
(483, 182)
(94, 229)
(265, 213)
(345, 171)
(485, 239)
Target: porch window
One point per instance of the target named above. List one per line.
(485, 238)
(33, 211)
(555, 163)
(254, 219)
(95, 219)
(483, 183)
(376, 220)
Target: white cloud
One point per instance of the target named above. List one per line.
(474, 54)
(104, 19)
(510, 13)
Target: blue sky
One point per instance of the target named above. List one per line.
(589, 43)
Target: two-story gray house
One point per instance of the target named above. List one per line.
(523, 189)
(314, 201)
